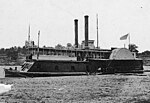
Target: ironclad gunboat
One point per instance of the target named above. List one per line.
(77, 61)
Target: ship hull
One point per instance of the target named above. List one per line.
(118, 66)
(45, 68)
(12, 73)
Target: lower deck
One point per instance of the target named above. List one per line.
(43, 68)
(118, 66)
(92, 66)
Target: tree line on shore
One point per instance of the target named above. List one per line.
(13, 53)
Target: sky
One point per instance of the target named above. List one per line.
(55, 20)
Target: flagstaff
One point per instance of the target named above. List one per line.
(129, 41)
(124, 37)
(97, 30)
(38, 45)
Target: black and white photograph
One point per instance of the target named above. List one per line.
(74, 51)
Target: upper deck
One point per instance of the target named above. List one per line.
(78, 53)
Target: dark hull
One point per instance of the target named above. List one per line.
(13, 73)
(45, 68)
(118, 66)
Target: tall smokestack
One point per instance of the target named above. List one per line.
(76, 33)
(86, 31)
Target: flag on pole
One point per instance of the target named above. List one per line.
(124, 37)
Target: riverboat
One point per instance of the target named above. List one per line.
(79, 61)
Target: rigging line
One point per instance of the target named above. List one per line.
(55, 5)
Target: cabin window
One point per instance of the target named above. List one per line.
(56, 68)
(87, 68)
(38, 65)
(72, 68)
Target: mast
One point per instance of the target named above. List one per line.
(97, 30)
(38, 45)
(29, 34)
(28, 42)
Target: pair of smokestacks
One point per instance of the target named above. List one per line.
(86, 32)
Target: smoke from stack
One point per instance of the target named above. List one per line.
(76, 33)
(86, 31)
